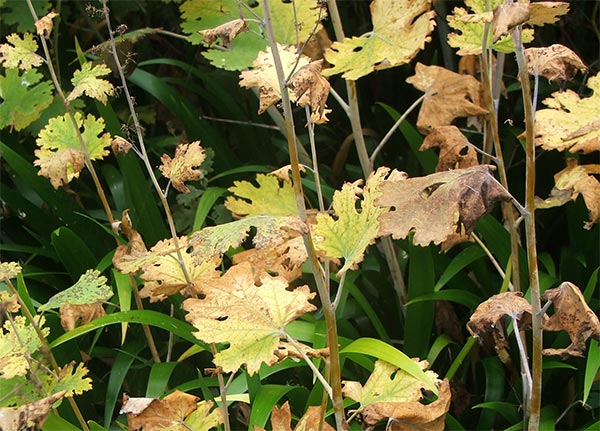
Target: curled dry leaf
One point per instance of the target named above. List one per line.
(43, 26)
(120, 145)
(72, 316)
(29, 416)
(554, 62)
(439, 205)
(226, 32)
(487, 319)
(456, 152)
(570, 122)
(283, 173)
(449, 95)
(571, 314)
(509, 15)
(281, 420)
(181, 168)
(134, 249)
(311, 89)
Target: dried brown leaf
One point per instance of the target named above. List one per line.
(120, 145)
(181, 168)
(507, 16)
(311, 89)
(72, 316)
(28, 416)
(439, 205)
(227, 32)
(571, 314)
(553, 62)
(456, 152)
(43, 26)
(281, 420)
(168, 413)
(449, 95)
(546, 12)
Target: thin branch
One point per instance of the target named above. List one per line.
(492, 259)
(340, 100)
(240, 122)
(310, 364)
(222, 391)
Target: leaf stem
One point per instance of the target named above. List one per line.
(310, 364)
(534, 282)
(222, 391)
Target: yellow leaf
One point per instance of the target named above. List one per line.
(270, 197)
(19, 52)
(9, 270)
(352, 231)
(85, 81)
(400, 30)
(181, 168)
(250, 317)
(570, 122)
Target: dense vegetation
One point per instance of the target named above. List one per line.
(172, 247)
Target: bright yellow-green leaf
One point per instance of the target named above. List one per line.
(72, 380)
(400, 30)
(9, 270)
(86, 82)
(387, 384)
(20, 52)
(60, 156)
(200, 15)
(270, 197)
(91, 288)
(24, 98)
(18, 341)
(470, 27)
(203, 419)
(250, 317)
(351, 231)
(570, 122)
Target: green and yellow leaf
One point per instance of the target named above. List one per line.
(85, 81)
(91, 288)
(271, 197)
(181, 168)
(20, 52)
(18, 341)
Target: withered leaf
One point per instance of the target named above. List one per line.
(449, 95)
(281, 420)
(181, 168)
(554, 62)
(120, 145)
(571, 314)
(74, 315)
(311, 89)
(439, 205)
(227, 32)
(456, 152)
(43, 26)
(168, 413)
(507, 16)
(29, 416)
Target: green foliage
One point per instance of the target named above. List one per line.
(89, 289)
(25, 97)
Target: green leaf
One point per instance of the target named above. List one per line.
(201, 420)
(16, 13)
(85, 81)
(592, 366)
(21, 54)
(463, 297)
(24, 98)
(458, 263)
(91, 288)
(159, 378)
(60, 155)
(206, 202)
(72, 251)
(352, 232)
(72, 380)
(270, 197)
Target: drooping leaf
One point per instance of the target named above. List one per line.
(570, 122)
(310, 88)
(181, 168)
(439, 205)
(44, 25)
(270, 197)
(351, 231)
(571, 314)
(226, 32)
(507, 16)
(401, 28)
(85, 81)
(470, 25)
(20, 52)
(201, 15)
(72, 380)
(281, 420)
(554, 62)
(60, 156)
(456, 152)
(91, 288)
(28, 416)
(9, 270)
(250, 317)
(18, 341)
(24, 98)
(449, 95)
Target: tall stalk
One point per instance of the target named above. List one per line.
(529, 218)
(318, 272)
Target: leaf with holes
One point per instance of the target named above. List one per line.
(456, 152)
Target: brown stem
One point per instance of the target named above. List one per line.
(534, 282)
(321, 282)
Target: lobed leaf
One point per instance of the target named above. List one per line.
(20, 52)
(181, 168)
(270, 197)
(91, 288)
(86, 82)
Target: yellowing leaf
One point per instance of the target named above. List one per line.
(24, 98)
(8, 302)
(570, 122)
(181, 168)
(400, 30)
(250, 317)
(86, 82)
(270, 197)
(281, 420)
(21, 54)
(60, 156)
(72, 380)
(449, 95)
(203, 419)
(43, 26)
(439, 205)
(553, 62)
(91, 288)
(18, 341)
(470, 28)
(352, 231)
(9, 270)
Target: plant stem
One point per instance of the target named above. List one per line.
(534, 282)
(320, 280)
(222, 392)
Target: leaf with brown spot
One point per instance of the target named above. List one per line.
(456, 152)
(43, 26)
(571, 314)
(507, 16)
(281, 420)
(28, 416)
(72, 315)
(120, 145)
(226, 32)
(311, 89)
(449, 95)
(554, 62)
(181, 168)
(439, 205)
(487, 319)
